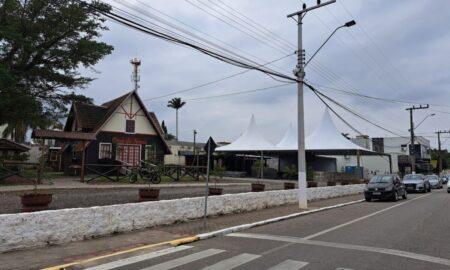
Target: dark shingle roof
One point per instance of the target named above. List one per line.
(89, 116)
(63, 135)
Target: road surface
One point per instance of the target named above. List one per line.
(408, 234)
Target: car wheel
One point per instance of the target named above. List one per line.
(424, 190)
(405, 195)
(368, 199)
(395, 196)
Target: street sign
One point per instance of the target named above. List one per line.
(210, 145)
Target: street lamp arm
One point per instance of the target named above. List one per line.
(347, 24)
(423, 120)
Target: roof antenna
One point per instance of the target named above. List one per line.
(135, 78)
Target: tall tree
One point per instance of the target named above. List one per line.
(42, 45)
(176, 103)
(167, 135)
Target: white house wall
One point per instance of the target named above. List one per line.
(117, 121)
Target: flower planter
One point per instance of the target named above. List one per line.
(289, 185)
(331, 183)
(148, 194)
(215, 191)
(344, 183)
(257, 187)
(36, 202)
(311, 184)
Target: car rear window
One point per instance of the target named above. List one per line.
(381, 179)
(412, 177)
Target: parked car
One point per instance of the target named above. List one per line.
(435, 181)
(445, 179)
(416, 183)
(448, 187)
(387, 186)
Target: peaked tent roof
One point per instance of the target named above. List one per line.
(327, 137)
(250, 140)
(289, 140)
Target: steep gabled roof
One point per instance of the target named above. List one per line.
(89, 116)
(93, 117)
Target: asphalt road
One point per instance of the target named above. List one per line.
(408, 234)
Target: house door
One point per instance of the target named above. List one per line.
(129, 153)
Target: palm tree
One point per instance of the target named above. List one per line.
(176, 103)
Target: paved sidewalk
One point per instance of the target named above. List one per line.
(74, 183)
(55, 255)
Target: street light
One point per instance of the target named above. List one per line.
(433, 114)
(300, 74)
(347, 24)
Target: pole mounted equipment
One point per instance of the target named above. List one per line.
(411, 130)
(300, 74)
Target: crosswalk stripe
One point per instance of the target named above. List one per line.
(184, 260)
(131, 260)
(232, 262)
(289, 265)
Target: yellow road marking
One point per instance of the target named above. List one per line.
(175, 242)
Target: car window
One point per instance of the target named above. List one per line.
(413, 177)
(381, 179)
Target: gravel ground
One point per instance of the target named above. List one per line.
(10, 202)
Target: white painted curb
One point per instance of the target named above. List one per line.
(204, 236)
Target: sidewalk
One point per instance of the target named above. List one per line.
(56, 255)
(74, 183)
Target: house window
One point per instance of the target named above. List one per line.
(53, 156)
(150, 153)
(104, 150)
(130, 126)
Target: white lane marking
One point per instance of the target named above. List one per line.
(340, 268)
(387, 251)
(143, 257)
(185, 260)
(232, 262)
(361, 218)
(289, 265)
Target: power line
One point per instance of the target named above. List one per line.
(240, 92)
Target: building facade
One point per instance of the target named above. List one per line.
(125, 132)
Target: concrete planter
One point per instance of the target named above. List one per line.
(148, 194)
(257, 187)
(35, 202)
(289, 185)
(311, 184)
(215, 191)
(331, 183)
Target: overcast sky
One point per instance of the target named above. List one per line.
(398, 50)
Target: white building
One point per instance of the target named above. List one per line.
(397, 147)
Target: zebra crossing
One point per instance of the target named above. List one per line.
(183, 261)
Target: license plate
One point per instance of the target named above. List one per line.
(409, 188)
(376, 193)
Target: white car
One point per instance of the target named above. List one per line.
(448, 187)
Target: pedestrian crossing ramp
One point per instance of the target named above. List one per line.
(176, 257)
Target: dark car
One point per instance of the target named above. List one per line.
(387, 186)
(416, 183)
(435, 181)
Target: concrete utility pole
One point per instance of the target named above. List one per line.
(439, 149)
(300, 74)
(411, 147)
(135, 77)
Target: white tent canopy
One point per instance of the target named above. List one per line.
(326, 137)
(250, 140)
(289, 140)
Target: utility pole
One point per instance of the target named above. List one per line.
(135, 77)
(439, 150)
(299, 72)
(411, 130)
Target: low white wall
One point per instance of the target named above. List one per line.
(28, 230)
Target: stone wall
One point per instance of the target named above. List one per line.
(28, 230)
